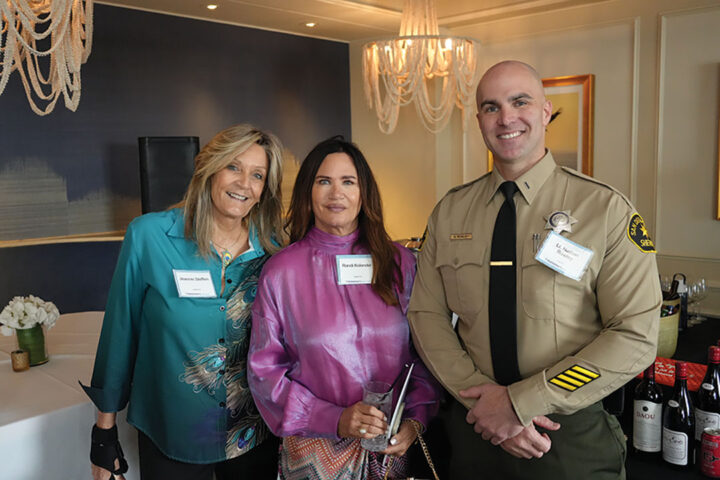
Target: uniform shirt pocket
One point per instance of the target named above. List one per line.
(463, 267)
(537, 284)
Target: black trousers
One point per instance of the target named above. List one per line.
(260, 463)
(589, 445)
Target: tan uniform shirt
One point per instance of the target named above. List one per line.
(577, 341)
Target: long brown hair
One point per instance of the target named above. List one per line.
(218, 154)
(372, 235)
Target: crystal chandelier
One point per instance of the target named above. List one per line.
(404, 66)
(33, 29)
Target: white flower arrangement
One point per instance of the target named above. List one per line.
(26, 312)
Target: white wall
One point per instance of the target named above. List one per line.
(657, 77)
(687, 154)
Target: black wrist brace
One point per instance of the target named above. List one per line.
(105, 450)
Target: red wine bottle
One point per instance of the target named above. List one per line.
(678, 445)
(647, 415)
(707, 410)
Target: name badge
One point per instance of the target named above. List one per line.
(564, 256)
(354, 269)
(194, 283)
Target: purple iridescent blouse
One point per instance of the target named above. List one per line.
(314, 343)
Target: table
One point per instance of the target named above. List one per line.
(692, 347)
(45, 417)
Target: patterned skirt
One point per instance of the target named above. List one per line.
(329, 459)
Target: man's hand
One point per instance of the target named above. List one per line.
(530, 443)
(493, 413)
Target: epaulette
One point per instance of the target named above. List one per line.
(588, 178)
(465, 185)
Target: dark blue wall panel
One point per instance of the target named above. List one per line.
(154, 75)
(74, 276)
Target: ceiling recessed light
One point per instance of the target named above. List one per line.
(310, 24)
(212, 6)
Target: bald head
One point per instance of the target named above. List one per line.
(506, 69)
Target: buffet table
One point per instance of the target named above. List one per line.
(45, 417)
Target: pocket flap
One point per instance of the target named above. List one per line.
(460, 252)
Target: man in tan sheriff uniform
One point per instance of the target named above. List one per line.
(577, 340)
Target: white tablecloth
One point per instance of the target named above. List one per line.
(45, 417)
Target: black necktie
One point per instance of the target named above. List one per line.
(502, 307)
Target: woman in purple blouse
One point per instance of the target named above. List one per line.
(316, 341)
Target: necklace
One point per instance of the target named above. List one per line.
(226, 256)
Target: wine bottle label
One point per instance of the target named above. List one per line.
(673, 404)
(647, 422)
(675, 447)
(704, 420)
(707, 386)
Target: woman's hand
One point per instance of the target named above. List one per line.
(102, 474)
(402, 440)
(105, 421)
(361, 421)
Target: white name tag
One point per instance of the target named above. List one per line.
(564, 256)
(194, 283)
(354, 269)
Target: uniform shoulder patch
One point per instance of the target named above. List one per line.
(638, 234)
(573, 378)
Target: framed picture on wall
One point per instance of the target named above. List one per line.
(570, 132)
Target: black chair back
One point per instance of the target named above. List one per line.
(166, 167)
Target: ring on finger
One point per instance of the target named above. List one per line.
(362, 431)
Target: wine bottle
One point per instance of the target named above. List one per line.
(672, 293)
(707, 411)
(647, 415)
(682, 291)
(678, 445)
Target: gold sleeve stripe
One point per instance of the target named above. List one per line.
(578, 376)
(585, 371)
(562, 384)
(567, 379)
(573, 378)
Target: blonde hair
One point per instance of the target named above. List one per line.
(219, 152)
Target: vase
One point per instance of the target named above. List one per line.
(32, 340)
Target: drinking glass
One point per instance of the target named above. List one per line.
(700, 291)
(665, 283)
(693, 300)
(379, 395)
